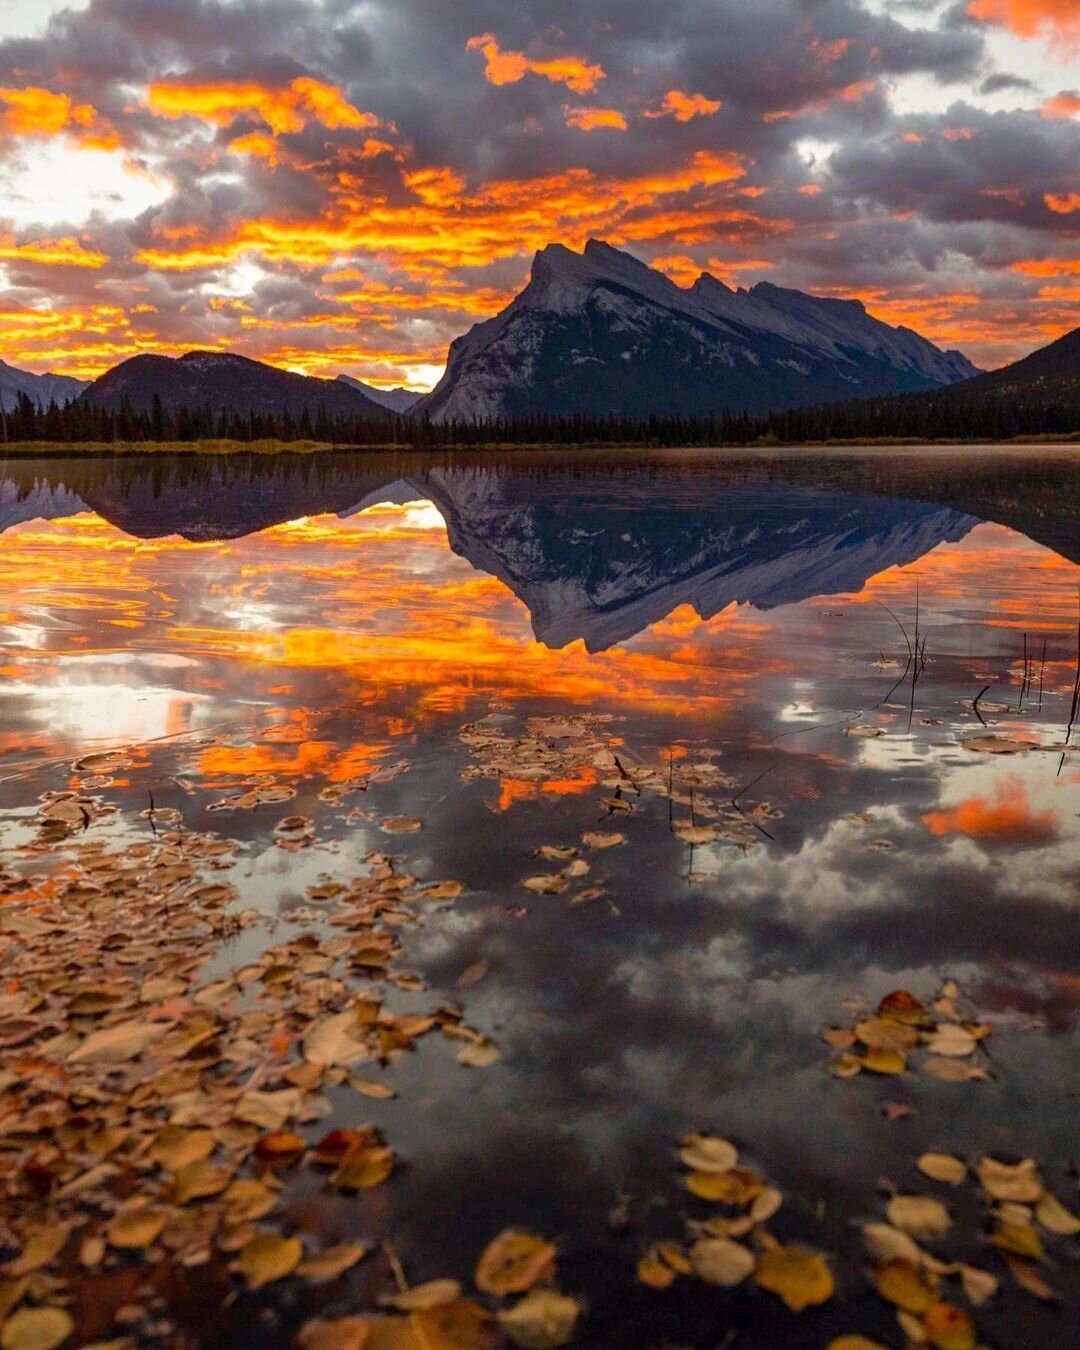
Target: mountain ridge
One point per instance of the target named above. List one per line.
(601, 333)
(42, 390)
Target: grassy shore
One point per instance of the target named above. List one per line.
(54, 449)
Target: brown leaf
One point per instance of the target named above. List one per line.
(423, 1297)
(137, 1229)
(117, 1044)
(36, 1329)
(332, 1262)
(44, 1246)
(346, 1333)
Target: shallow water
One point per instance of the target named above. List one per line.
(317, 621)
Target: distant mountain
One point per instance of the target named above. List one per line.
(1048, 376)
(397, 400)
(42, 390)
(603, 333)
(221, 381)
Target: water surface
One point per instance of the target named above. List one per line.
(795, 641)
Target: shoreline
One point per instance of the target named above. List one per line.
(213, 449)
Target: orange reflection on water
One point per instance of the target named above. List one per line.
(1006, 816)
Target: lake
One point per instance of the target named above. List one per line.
(615, 780)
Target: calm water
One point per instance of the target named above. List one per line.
(315, 621)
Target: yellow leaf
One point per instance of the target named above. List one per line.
(367, 1088)
(36, 1329)
(737, 1187)
(854, 1343)
(364, 1167)
(902, 1285)
(514, 1262)
(882, 1033)
(886, 1244)
(422, 1297)
(174, 1147)
(267, 1258)
(46, 1244)
(1027, 1277)
(884, 1061)
(480, 1056)
(846, 1066)
(979, 1285)
(801, 1278)
(198, 1180)
(334, 1261)
(346, 1333)
(949, 1328)
(654, 1272)
(721, 1261)
(136, 1229)
(954, 1071)
(461, 1325)
(543, 1320)
(1020, 1239)
(766, 1205)
(942, 1167)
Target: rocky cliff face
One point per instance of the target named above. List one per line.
(601, 333)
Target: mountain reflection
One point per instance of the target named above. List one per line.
(599, 549)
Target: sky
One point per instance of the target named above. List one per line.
(344, 186)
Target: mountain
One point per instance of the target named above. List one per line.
(397, 400)
(221, 381)
(42, 390)
(600, 332)
(1048, 376)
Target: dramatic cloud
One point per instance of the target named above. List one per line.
(346, 185)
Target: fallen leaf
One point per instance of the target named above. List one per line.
(1027, 1277)
(708, 1153)
(345, 1333)
(885, 1244)
(954, 1071)
(942, 1167)
(198, 1180)
(951, 1041)
(900, 1006)
(137, 1229)
(36, 1329)
(332, 1261)
(472, 974)
(721, 1261)
(479, 1056)
(600, 840)
(44, 1246)
(654, 1272)
(949, 1328)
(175, 1147)
(117, 1044)
(801, 1278)
(918, 1215)
(888, 1062)
(1006, 1181)
(364, 1168)
(854, 1343)
(1020, 1239)
(267, 1258)
(279, 1148)
(881, 1033)
(402, 825)
(697, 834)
(424, 1296)
(979, 1285)
(766, 1205)
(367, 1088)
(514, 1262)
(543, 1320)
(1054, 1217)
(901, 1284)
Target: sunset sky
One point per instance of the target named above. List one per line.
(346, 185)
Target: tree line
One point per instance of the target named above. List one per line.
(929, 416)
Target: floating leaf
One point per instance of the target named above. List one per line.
(1019, 1182)
(472, 974)
(117, 1044)
(918, 1215)
(697, 834)
(1027, 1277)
(269, 1257)
(766, 1205)
(36, 1329)
(480, 1055)
(1055, 1218)
(885, 1244)
(367, 1088)
(949, 1328)
(998, 745)
(424, 1296)
(867, 733)
(979, 1285)
(44, 1246)
(901, 1284)
(175, 1147)
(280, 1147)
(654, 1272)
(364, 1168)
(854, 1343)
(707, 1153)
(1020, 1239)
(543, 1320)
(951, 1041)
(888, 1062)
(514, 1262)
(942, 1167)
(335, 1040)
(332, 1262)
(954, 1071)
(402, 825)
(198, 1180)
(721, 1261)
(344, 1333)
(882, 1033)
(801, 1278)
(137, 1229)
(601, 840)
(900, 1006)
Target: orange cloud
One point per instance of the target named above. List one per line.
(960, 133)
(1047, 267)
(850, 93)
(508, 67)
(685, 107)
(1064, 203)
(1063, 105)
(66, 252)
(594, 119)
(1058, 19)
(257, 144)
(1005, 818)
(39, 112)
(832, 51)
(283, 110)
